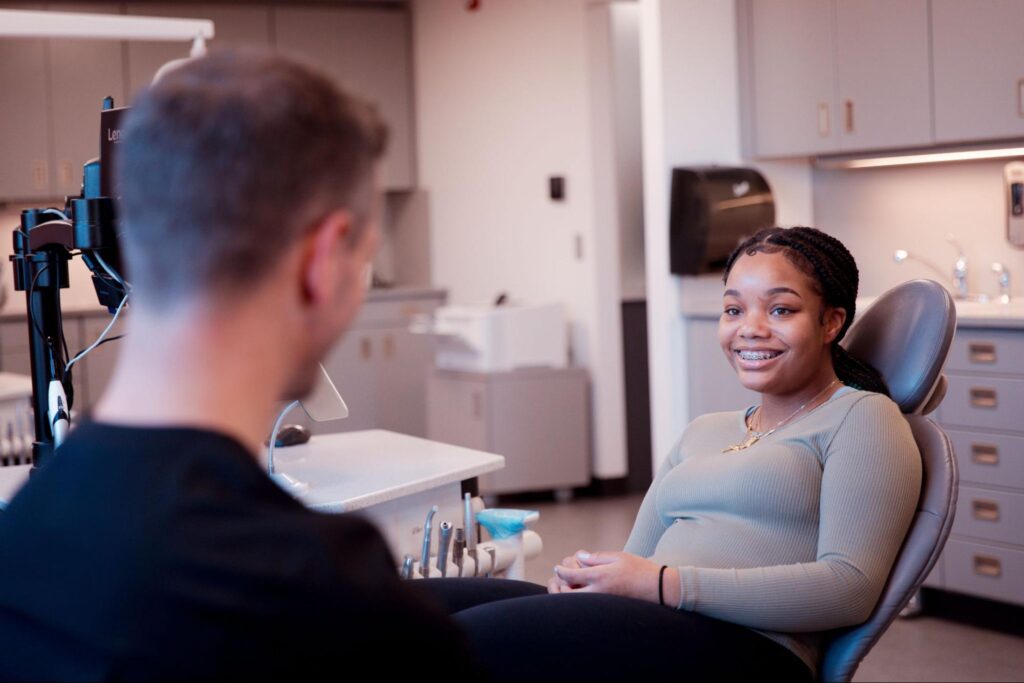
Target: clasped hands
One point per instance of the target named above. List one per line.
(615, 573)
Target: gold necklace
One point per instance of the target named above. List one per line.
(753, 437)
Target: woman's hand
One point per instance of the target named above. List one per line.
(557, 585)
(615, 573)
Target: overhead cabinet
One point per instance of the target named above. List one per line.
(838, 76)
(53, 89)
(978, 59)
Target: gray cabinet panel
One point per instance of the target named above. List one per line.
(794, 86)
(987, 351)
(405, 360)
(367, 51)
(713, 386)
(978, 61)
(26, 164)
(983, 402)
(989, 459)
(456, 411)
(350, 365)
(82, 73)
(985, 570)
(990, 515)
(883, 73)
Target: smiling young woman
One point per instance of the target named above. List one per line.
(763, 528)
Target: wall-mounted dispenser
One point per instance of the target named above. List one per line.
(1013, 187)
(713, 209)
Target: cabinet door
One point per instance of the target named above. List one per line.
(25, 164)
(713, 383)
(978, 58)
(402, 367)
(457, 410)
(351, 367)
(883, 72)
(82, 73)
(368, 51)
(233, 26)
(794, 85)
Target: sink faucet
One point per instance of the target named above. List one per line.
(1003, 276)
(959, 269)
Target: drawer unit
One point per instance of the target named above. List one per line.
(990, 515)
(989, 459)
(982, 415)
(983, 402)
(980, 350)
(985, 570)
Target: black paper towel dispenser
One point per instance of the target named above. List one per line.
(713, 209)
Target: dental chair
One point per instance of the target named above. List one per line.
(906, 335)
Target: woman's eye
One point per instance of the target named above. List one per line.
(781, 310)
(731, 311)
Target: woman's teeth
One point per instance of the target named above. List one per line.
(758, 355)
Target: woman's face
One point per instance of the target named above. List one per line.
(775, 329)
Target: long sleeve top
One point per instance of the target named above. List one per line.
(795, 535)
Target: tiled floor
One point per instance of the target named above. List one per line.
(921, 649)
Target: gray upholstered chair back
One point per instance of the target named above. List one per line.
(906, 334)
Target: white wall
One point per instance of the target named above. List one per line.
(691, 96)
(503, 101)
(876, 211)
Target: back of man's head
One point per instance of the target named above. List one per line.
(229, 160)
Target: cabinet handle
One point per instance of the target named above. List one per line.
(984, 454)
(478, 405)
(1020, 97)
(988, 566)
(366, 348)
(982, 397)
(982, 352)
(987, 510)
(389, 347)
(848, 115)
(824, 127)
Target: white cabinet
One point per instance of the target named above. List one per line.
(978, 57)
(882, 74)
(839, 76)
(794, 95)
(234, 26)
(367, 51)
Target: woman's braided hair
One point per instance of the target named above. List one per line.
(833, 271)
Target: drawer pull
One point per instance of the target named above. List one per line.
(987, 510)
(982, 352)
(366, 348)
(988, 566)
(824, 123)
(984, 454)
(984, 398)
(389, 346)
(478, 405)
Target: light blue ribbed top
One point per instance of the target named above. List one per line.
(795, 535)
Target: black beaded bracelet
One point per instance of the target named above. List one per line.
(661, 585)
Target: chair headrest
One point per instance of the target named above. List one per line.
(906, 336)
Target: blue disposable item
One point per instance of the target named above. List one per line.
(505, 522)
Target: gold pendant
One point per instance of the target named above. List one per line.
(751, 439)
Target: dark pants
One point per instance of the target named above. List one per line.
(520, 633)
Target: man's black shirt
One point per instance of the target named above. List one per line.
(141, 553)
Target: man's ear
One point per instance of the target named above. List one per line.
(835, 317)
(319, 267)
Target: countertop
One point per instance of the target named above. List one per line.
(15, 308)
(352, 471)
(969, 314)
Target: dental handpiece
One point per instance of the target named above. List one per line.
(443, 542)
(425, 555)
(458, 547)
(407, 567)
(470, 526)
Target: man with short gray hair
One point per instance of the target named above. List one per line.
(153, 545)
